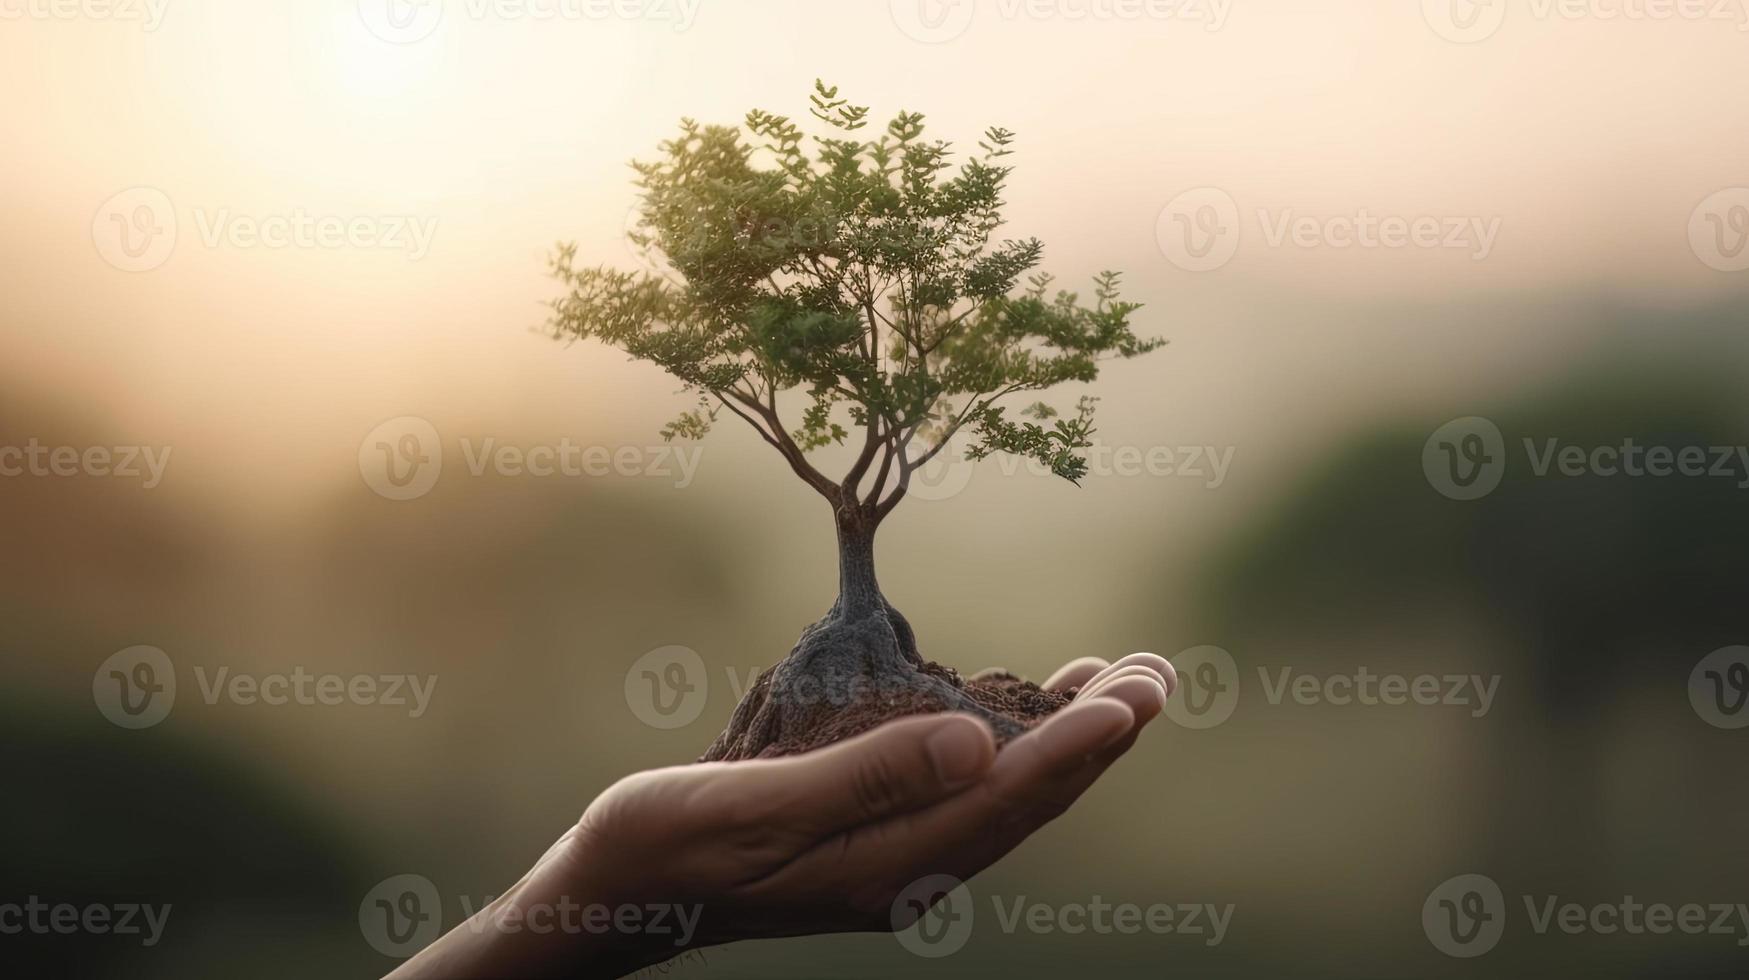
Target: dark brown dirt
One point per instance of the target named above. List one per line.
(997, 691)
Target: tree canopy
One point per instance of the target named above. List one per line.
(864, 274)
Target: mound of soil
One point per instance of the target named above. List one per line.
(1021, 703)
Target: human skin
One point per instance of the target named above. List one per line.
(822, 842)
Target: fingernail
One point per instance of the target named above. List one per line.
(959, 750)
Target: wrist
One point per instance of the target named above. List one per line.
(571, 910)
(558, 921)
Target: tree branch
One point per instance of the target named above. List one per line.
(909, 466)
(779, 438)
(880, 480)
(749, 420)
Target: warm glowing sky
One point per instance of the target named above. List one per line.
(1591, 140)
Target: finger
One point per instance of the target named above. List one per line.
(1047, 792)
(1038, 785)
(898, 767)
(1146, 697)
(1152, 661)
(1028, 772)
(1134, 671)
(1142, 692)
(1062, 742)
(952, 836)
(1171, 676)
(1075, 673)
(1033, 781)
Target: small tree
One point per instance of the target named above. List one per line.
(864, 275)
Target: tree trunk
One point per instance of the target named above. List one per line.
(851, 670)
(859, 594)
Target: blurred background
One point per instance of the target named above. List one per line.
(294, 253)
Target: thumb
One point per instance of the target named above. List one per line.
(901, 766)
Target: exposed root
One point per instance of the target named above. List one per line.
(847, 675)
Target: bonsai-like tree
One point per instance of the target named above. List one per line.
(857, 282)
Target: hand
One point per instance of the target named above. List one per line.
(814, 843)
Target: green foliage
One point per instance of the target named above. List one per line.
(864, 274)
